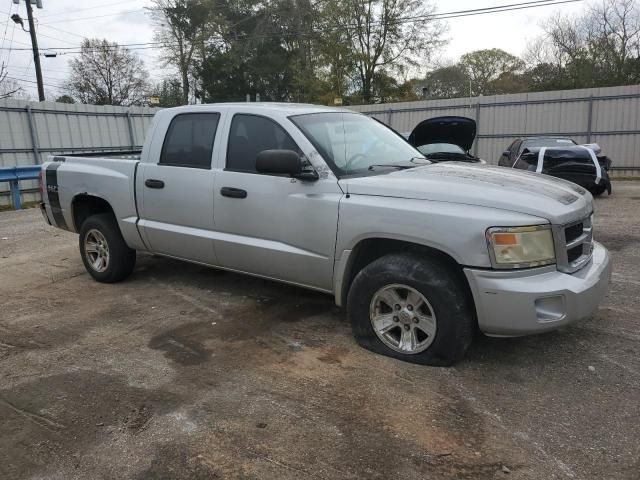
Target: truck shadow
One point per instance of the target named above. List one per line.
(257, 307)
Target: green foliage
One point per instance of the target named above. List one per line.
(169, 93)
(363, 51)
(486, 67)
(65, 99)
(447, 82)
(294, 50)
(184, 26)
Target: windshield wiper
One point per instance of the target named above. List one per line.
(460, 157)
(402, 166)
(445, 154)
(384, 165)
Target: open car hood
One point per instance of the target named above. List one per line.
(459, 131)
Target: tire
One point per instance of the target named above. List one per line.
(598, 190)
(446, 323)
(102, 233)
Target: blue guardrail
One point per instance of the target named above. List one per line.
(14, 175)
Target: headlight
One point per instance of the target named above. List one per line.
(521, 247)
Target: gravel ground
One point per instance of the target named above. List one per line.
(187, 373)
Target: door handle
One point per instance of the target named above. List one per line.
(233, 192)
(151, 183)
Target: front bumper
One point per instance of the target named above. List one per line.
(514, 303)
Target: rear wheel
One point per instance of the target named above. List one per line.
(413, 308)
(104, 252)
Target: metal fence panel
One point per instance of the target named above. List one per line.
(608, 116)
(30, 131)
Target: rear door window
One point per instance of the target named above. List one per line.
(189, 140)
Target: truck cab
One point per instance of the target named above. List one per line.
(420, 254)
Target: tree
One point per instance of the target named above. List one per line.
(263, 49)
(612, 34)
(381, 38)
(169, 93)
(599, 48)
(486, 66)
(295, 50)
(182, 26)
(65, 99)
(107, 74)
(8, 87)
(447, 82)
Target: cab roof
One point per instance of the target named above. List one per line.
(264, 107)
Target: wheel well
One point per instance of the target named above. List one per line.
(84, 206)
(371, 249)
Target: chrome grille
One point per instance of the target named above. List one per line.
(574, 244)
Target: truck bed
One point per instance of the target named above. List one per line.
(106, 176)
(120, 155)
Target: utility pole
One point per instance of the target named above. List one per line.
(36, 53)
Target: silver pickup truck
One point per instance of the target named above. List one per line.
(421, 254)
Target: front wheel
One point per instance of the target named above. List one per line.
(412, 307)
(104, 252)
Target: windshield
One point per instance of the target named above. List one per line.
(355, 144)
(431, 148)
(548, 142)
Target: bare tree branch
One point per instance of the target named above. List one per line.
(107, 74)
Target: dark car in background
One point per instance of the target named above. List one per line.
(563, 158)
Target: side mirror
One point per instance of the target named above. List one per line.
(283, 162)
(278, 162)
(506, 153)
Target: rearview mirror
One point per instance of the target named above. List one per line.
(283, 162)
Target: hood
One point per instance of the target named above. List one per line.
(546, 197)
(459, 131)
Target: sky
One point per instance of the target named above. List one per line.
(63, 23)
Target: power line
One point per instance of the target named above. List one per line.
(25, 69)
(436, 16)
(60, 87)
(497, 9)
(6, 26)
(20, 43)
(62, 31)
(27, 76)
(494, 9)
(487, 9)
(95, 7)
(13, 31)
(40, 34)
(109, 46)
(125, 12)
